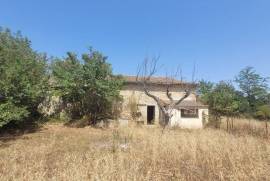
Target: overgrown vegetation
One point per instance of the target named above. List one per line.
(263, 113)
(23, 79)
(86, 92)
(133, 107)
(247, 100)
(87, 87)
(63, 153)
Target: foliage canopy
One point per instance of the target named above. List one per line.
(87, 86)
(23, 78)
(253, 86)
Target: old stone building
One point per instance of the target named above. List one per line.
(141, 108)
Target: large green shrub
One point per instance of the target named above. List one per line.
(86, 86)
(23, 78)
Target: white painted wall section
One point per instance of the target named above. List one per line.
(189, 123)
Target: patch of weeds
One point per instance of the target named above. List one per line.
(120, 141)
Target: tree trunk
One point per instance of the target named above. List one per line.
(167, 119)
(227, 121)
(217, 121)
(231, 124)
(249, 125)
(266, 128)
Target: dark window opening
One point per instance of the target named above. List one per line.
(150, 114)
(189, 113)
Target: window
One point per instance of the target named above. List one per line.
(189, 113)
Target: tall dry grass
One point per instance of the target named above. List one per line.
(242, 126)
(60, 153)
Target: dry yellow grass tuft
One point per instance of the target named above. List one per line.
(61, 153)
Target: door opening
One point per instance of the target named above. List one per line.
(150, 114)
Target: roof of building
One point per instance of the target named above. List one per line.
(156, 80)
(188, 104)
(191, 104)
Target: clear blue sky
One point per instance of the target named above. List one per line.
(221, 36)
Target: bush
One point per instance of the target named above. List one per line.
(9, 112)
(133, 107)
(23, 78)
(87, 87)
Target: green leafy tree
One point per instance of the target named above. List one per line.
(87, 86)
(263, 113)
(224, 101)
(222, 98)
(254, 87)
(243, 103)
(205, 90)
(23, 78)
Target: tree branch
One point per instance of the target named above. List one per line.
(158, 101)
(147, 72)
(169, 95)
(187, 93)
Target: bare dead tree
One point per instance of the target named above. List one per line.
(146, 71)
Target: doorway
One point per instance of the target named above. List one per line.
(150, 114)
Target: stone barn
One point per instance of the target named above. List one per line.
(137, 106)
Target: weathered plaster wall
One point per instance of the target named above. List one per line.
(193, 123)
(143, 100)
(159, 91)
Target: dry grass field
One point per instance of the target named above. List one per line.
(57, 152)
